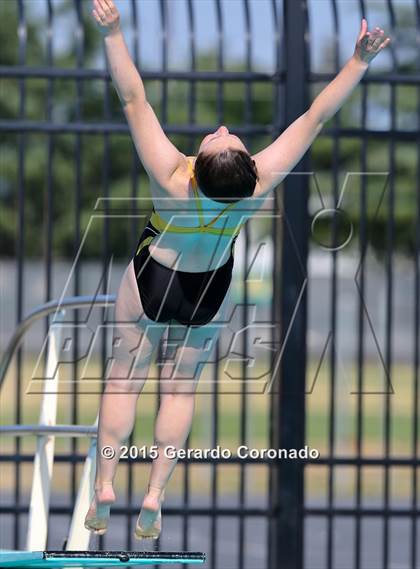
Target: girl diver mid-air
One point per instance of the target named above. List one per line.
(161, 285)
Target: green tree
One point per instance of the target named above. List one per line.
(84, 102)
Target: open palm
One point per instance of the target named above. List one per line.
(369, 44)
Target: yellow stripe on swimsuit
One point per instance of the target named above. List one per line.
(163, 225)
(157, 223)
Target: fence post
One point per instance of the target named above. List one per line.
(286, 531)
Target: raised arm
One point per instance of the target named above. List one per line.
(280, 157)
(158, 155)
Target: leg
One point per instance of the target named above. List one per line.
(173, 422)
(134, 342)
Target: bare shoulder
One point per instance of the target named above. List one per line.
(266, 181)
(177, 185)
(181, 177)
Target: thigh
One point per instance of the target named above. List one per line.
(189, 348)
(136, 336)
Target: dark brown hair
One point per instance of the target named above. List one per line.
(226, 176)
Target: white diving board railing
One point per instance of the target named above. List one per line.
(47, 429)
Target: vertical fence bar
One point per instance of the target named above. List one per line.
(106, 258)
(163, 4)
(390, 239)
(244, 390)
(360, 334)
(133, 240)
(79, 47)
(414, 546)
(48, 195)
(214, 469)
(164, 23)
(331, 520)
(20, 250)
(220, 61)
(216, 394)
(290, 418)
(390, 236)
(275, 304)
(360, 319)
(192, 102)
(134, 230)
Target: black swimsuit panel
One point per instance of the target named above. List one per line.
(192, 299)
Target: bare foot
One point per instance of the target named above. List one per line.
(98, 514)
(149, 522)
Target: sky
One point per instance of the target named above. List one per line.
(262, 26)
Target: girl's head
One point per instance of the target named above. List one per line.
(224, 169)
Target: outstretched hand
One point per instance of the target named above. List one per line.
(369, 44)
(106, 15)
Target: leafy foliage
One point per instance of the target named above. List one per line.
(85, 167)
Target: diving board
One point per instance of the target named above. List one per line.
(9, 558)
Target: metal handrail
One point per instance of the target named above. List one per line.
(56, 430)
(73, 302)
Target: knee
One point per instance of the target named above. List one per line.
(175, 391)
(122, 385)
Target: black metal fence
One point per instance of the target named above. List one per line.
(64, 119)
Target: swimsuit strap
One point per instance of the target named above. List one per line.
(161, 224)
(219, 214)
(194, 186)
